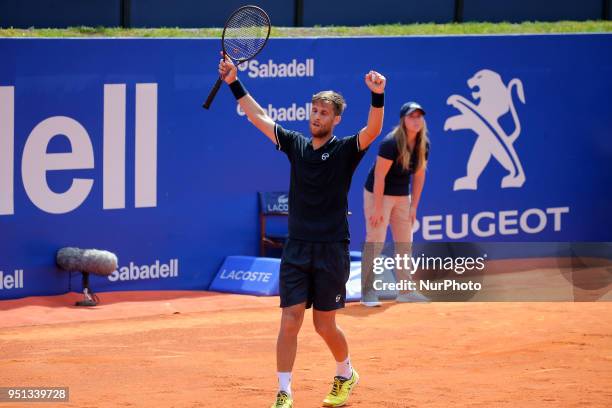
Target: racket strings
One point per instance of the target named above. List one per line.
(246, 33)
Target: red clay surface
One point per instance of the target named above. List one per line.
(201, 349)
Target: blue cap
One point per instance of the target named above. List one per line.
(410, 107)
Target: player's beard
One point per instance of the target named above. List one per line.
(320, 132)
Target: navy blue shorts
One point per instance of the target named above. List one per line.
(315, 273)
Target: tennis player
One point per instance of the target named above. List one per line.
(315, 265)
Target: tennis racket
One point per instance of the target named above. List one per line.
(245, 34)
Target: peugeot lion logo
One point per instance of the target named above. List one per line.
(494, 100)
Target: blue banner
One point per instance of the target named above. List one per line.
(104, 144)
(248, 275)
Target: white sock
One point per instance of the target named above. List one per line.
(284, 382)
(344, 368)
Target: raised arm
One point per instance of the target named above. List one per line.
(257, 116)
(376, 83)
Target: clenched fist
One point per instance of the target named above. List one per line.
(375, 81)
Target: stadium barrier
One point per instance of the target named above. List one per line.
(196, 13)
(104, 144)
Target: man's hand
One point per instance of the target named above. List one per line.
(375, 81)
(227, 69)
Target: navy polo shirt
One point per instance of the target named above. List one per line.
(397, 181)
(320, 182)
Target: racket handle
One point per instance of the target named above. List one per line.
(212, 93)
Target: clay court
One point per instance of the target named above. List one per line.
(116, 163)
(202, 349)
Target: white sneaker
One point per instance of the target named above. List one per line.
(371, 303)
(411, 297)
(370, 299)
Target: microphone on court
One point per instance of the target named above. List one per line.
(87, 261)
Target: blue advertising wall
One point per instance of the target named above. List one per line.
(164, 182)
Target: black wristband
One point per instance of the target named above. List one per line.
(378, 100)
(237, 89)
